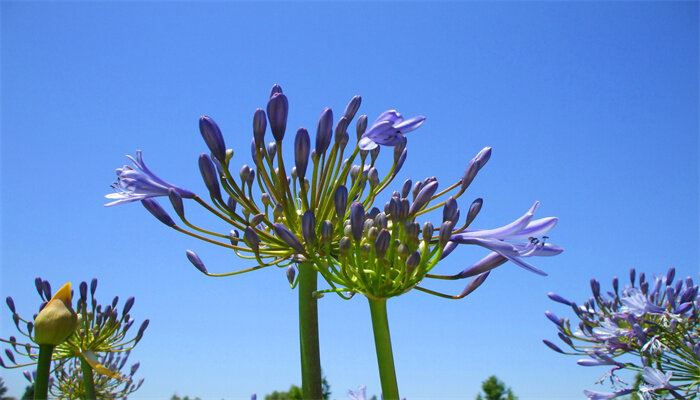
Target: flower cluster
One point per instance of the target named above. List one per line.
(651, 327)
(68, 382)
(321, 211)
(101, 332)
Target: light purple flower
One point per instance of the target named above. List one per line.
(388, 130)
(656, 380)
(139, 183)
(636, 303)
(592, 395)
(360, 394)
(520, 238)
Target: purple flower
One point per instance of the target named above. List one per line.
(359, 394)
(636, 303)
(388, 130)
(604, 396)
(656, 380)
(139, 183)
(520, 238)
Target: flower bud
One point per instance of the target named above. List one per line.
(374, 153)
(428, 230)
(259, 127)
(340, 201)
(57, 321)
(406, 189)
(244, 173)
(272, 150)
(157, 211)
(474, 209)
(412, 262)
(399, 150)
(341, 128)
(445, 232)
(233, 237)
(257, 219)
(475, 165)
(361, 126)
(251, 239)
(391, 208)
(633, 273)
(176, 201)
(209, 175)
(352, 107)
(344, 246)
(615, 284)
(670, 275)
(213, 138)
(404, 209)
(381, 244)
(291, 273)
(373, 177)
(323, 131)
(380, 220)
(559, 299)
(552, 346)
(196, 261)
(288, 237)
(449, 212)
(326, 231)
(357, 218)
(276, 89)
(308, 227)
(277, 110)
(595, 288)
(301, 152)
(11, 304)
(399, 161)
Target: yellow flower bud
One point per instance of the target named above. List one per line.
(57, 321)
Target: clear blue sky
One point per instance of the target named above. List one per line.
(591, 108)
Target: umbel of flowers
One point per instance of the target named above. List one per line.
(318, 214)
(83, 361)
(651, 327)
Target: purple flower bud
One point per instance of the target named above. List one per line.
(277, 110)
(244, 173)
(341, 130)
(428, 230)
(340, 201)
(559, 299)
(683, 308)
(272, 150)
(344, 245)
(93, 287)
(209, 175)
(212, 137)
(474, 167)
(157, 211)
(381, 244)
(552, 346)
(474, 209)
(391, 208)
(565, 339)
(670, 275)
(326, 231)
(302, 145)
(689, 294)
(142, 329)
(288, 237)
(251, 238)
(127, 306)
(46, 286)
(357, 220)
(373, 176)
(257, 219)
(291, 273)
(595, 288)
(616, 285)
(276, 89)
(361, 126)
(259, 127)
(446, 232)
(632, 276)
(412, 262)
(10, 356)
(451, 210)
(404, 208)
(399, 162)
(10, 304)
(27, 375)
(176, 201)
(196, 261)
(308, 227)
(233, 237)
(39, 285)
(474, 284)
(352, 107)
(557, 321)
(323, 131)
(134, 368)
(642, 278)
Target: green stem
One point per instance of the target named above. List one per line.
(43, 370)
(308, 333)
(88, 380)
(382, 343)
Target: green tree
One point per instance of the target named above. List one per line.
(28, 393)
(176, 397)
(3, 391)
(494, 389)
(295, 393)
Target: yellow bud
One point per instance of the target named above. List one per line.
(57, 321)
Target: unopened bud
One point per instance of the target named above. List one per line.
(57, 321)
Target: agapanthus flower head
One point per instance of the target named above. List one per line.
(139, 182)
(101, 332)
(652, 330)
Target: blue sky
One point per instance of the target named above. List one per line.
(591, 108)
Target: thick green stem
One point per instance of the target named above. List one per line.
(43, 370)
(382, 343)
(308, 333)
(88, 380)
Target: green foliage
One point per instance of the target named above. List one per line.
(3, 390)
(28, 393)
(176, 397)
(295, 393)
(494, 389)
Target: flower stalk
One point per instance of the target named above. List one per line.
(308, 333)
(43, 370)
(382, 343)
(88, 379)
